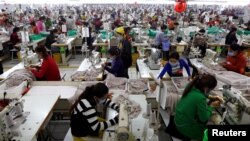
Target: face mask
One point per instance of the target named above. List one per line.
(231, 53)
(174, 64)
(101, 101)
(207, 92)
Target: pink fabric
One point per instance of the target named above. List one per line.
(39, 25)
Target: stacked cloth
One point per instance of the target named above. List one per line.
(88, 75)
(17, 77)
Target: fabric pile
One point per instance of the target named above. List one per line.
(117, 83)
(138, 85)
(134, 108)
(17, 77)
(89, 75)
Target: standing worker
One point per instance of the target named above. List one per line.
(126, 46)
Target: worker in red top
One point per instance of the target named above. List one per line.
(236, 61)
(49, 70)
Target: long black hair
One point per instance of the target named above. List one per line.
(42, 49)
(98, 90)
(200, 82)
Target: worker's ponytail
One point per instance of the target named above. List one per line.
(200, 82)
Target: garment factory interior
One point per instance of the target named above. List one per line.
(101, 70)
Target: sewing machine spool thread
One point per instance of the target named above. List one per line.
(18, 109)
(148, 111)
(9, 120)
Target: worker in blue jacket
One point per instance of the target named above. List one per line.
(117, 67)
(175, 66)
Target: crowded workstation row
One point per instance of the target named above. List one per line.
(123, 73)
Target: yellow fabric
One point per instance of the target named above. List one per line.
(120, 30)
(86, 138)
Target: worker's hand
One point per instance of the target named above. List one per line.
(110, 95)
(216, 98)
(103, 66)
(28, 68)
(215, 104)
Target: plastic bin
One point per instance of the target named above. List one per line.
(57, 58)
(35, 37)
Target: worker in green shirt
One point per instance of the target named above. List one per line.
(193, 111)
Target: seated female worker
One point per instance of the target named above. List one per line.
(117, 67)
(84, 122)
(192, 111)
(49, 70)
(174, 66)
(236, 61)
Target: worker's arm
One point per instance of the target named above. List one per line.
(111, 104)
(239, 67)
(164, 70)
(90, 113)
(114, 68)
(204, 111)
(40, 73)
(186, 66)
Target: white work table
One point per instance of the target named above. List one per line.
(16, 67)
(34, 44)
(40, 108)
(144, 70)
(68, 45)
(86, 65)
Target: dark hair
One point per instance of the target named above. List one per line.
(114, 51)
(33, 23)
(98, 90)
(200, 82)
(164, 27)
(53, 31)
(42, 49)
(175, 55)
(202, 31)
(233, 29)
(235, 47)
(16, 29)
(126, 29)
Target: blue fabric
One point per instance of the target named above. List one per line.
(168, 68)
(159, 38)
(117, 68)
(165, 45)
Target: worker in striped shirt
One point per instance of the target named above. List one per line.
(84, 119)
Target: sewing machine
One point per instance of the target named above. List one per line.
(29, 57)
(11, 117)
(123, 131)
(236, 108)
(209, 59)
(153, 59)
(61, 38)
(194, 52)
(95, 58)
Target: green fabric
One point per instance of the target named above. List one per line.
(71, 32)
(151, 33)
(205, 138)
(35, 37)
(214, 30)
(243, 32)
(190, 112)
